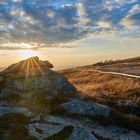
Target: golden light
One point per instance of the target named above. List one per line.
(26, 45)
(24, 54)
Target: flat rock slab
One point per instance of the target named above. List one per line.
(7, 110)
(78, 107)
(42, 131)
(56, 131)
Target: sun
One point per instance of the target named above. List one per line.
(24, 54)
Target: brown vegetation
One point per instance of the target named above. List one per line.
(98, 84)
(104, 87)
(109, 89)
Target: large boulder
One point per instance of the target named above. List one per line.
(29, 63)
(26, 88)
(82, 108)
(33, 75)
(33, 85)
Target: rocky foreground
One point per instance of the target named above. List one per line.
(37, 103)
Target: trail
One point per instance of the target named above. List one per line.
(114, 73)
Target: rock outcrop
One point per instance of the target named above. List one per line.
(30, 63)
(32, 76)
(82, 108)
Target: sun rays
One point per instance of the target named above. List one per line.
(30, 67)
(38, 67)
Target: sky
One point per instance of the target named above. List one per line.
(69, 32)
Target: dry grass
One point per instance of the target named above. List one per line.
(105, 88)
(108, 89)
(95, 84)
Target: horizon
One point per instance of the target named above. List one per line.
(70, 66)
(69, 33)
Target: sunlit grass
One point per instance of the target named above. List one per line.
(111, 86)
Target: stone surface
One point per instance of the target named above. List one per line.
(109, 131)
(127, 103)
(35, 75)
(79, 133)
(78, 107)
(57, 131)
(7, 110)
(114, 133)
(86, 129)
(43, 131)
(3, 103)
(32, 62)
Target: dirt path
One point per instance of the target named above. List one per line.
(115, 73)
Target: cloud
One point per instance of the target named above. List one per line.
(65, 22)
(104, 23)
(16, 1)
(125, 1)
(132, 20)
(135, 9)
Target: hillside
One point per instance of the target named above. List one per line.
(106, 83)
(129, 66)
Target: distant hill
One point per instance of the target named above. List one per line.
(128, 66)
(125, 62)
